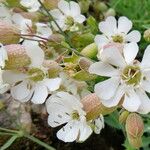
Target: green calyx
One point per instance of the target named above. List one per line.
(131, 75)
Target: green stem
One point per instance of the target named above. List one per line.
(8, 130)
(4, 133)
(32, 138)
(51, 18)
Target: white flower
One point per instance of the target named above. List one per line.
(3, 56)
(32, 5)
(65, 108)
(43, 30)
(116, 32)
(25, 25)
(34, 84)
(68, 14)
(128, 78)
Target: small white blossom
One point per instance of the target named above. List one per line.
(31, 5)
(68, 14)
(116, 32)
(128, 78)
(65, 108)
(34, 84)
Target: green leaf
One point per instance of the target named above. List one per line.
(113, 120)
(9, 142)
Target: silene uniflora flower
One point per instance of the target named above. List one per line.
(31, 5)
(114, 31)
(33, 83)
(129, 79)
(67, 15)
(64, 108)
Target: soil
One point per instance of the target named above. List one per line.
(109, 139)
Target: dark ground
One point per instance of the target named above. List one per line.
(109, 139)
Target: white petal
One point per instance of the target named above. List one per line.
(40, 94)
(145, 102)
(99, 124)
(107, 88)
(113, 56)
(34, 52)
(145, 84)
(116, 99)
(56, 13)
(79, 19)
(103, 69)
(20, 91)
(109, 26)
(64, 7)
(52, 84)
(146, 58)
(75, 8)
(58, 115)
(131, 101)
(130, 51)
(69, 132)
(124, 25)
(133, 36)
(101, 40)
(85, 131)
(15, 77)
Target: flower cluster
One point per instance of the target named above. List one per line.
(46, 57)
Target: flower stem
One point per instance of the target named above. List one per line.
(34, 139)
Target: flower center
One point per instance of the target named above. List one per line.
(117, 38)
(75, 115)
(69, 21)
(131, 75)
(36, 74)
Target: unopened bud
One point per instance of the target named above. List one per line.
(17, 57)
(53, 68)
(147, 35)
(84, 5)
(51, 4)
(110, 12)
(100, 6)
(56, 38)
(9, 34)
(90, 50)
(134, 129)
(93, 107)
(123, 116)
(84, 63)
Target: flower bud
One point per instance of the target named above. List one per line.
(56, 38)
(123, 116)
(84, 63)
(147, 35)
(110, 12)
(93, 107)
(17, 57)
(9, 34)
(134, 128)
(53, 68)
(90, 51)
(100, 7)
(84, 5)
(50, 4)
